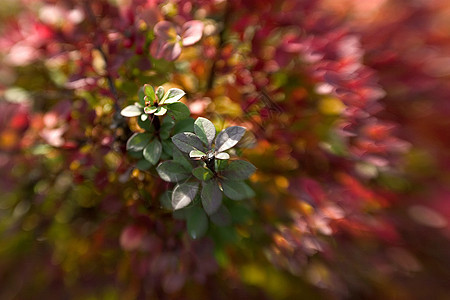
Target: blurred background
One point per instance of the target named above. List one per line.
(348, 105)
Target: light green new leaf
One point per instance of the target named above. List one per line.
(150, 93)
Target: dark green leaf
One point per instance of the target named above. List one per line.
(205, 130)
(135, 154)
(211, 197)
(181, 159)
(150, 93)
(178, 110)
(202, 173)
(197, 222)
(166, 200)
(184, 194)
(141, 96)
(186, 125)
(229, 137)
(145, 124)
(171, 171)
(143, 165)
(167, 123)
(221, 164)
(238, 169)
(138, 141)
(152, 152)
(237, 190)
(131, 111)
(173, 95)
(187, 141)
(221, 217)
(167, 147)
(166, 127)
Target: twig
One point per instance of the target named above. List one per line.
(111, 85)
(226, 18)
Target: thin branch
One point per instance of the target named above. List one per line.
(212, 73)
(109, 79)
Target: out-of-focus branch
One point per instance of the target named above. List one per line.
(226, 18)
(109, 79)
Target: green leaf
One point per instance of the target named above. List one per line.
(238, 169)
(143, 165)
(160, 111)
(237, 190)
(152, 152)
(178, 111)
(146, 124)
(205, 130)
(150, 93)
(229, 137)
(221, 217)
(160, 93)
(135, 154)
(222, 155)
(150, 109)
(166, 127)
(196, 154)
(167, 147)
(141, 96)
(171, 171)
(186, 125)
(202, 173)
(131, 111)
(221, 164)
(178, 214)
(138, 141)
(211, 197)
(184, 194)
(197, 222)
(187, 141)
(181, 159)
(173, 95)
(166, 200)
(167, 123)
